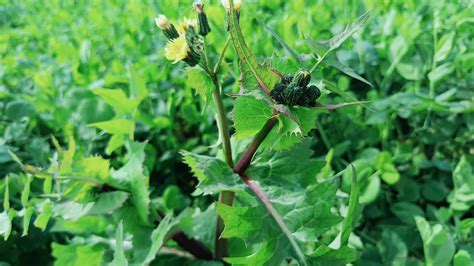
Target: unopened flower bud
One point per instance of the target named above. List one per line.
(237, 5)
(302, 78)
(167, 27)
(204, 27)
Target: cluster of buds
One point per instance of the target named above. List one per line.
(294, 90)
(184, 43)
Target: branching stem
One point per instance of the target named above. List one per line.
(246, 158)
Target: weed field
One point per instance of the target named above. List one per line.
(242, 132)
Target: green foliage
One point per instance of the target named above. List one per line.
(108, 151)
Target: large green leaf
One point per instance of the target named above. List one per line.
(249, 116)
(288, 179)
(253, 74)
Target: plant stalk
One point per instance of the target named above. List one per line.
(226, 197)
(246, 158)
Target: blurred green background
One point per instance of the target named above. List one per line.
(413, 148)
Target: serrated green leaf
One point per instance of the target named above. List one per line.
(253, 74)
(289, 131)
(347, 70)
(132, 176)
(117, 100)
(117, 126)
(337, 40)
(304, 208)
(213, 174)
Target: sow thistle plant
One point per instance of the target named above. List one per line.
(293, 219)
(272, 195)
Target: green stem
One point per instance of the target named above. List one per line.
(225, 197)
(246, 158)
(221, 56)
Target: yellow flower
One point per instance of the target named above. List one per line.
(184, 25)
(177, 49)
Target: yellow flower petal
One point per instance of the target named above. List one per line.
(185, 24)
(177, 49)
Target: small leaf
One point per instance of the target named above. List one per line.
(108, 202)
(119, 253)
(347, 70)
(158, 236)
(353, 209)
(438, 244)
(138, 88)
(115, 142)
(25, 194)
(199, 80)
(6, 218)
(463, 258)
(42, 220)
(74, 254)
(441, 72)
(117, 126)
(26, 220)
(444, 46)
(117, 100)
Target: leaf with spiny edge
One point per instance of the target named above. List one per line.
(253, 73)
(288, 179)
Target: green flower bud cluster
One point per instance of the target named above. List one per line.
(294, 90)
